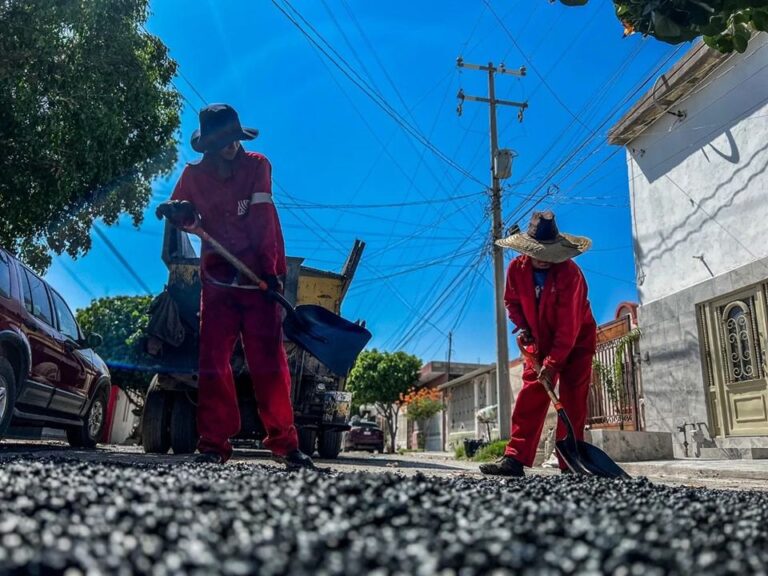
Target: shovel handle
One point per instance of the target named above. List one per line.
(250, 274)
(232, 259)
(531, 354)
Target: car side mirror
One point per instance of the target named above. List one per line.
(94, 340)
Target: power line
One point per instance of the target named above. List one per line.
(531, 65)
(319, 206)
(77, 280)
(368, 91)
(593, 133)
(120, 258)
(195, 90)
(394, 290)
(183, 77)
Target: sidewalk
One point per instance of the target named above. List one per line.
(703, 469)
(682, 469)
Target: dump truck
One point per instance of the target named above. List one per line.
(320, 403)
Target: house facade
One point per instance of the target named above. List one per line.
(697, 161)
(465, 396)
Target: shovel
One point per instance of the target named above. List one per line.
(331, 339)
(580, 457)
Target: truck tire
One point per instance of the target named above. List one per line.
(183, 430)
(7, 395)
(155, 421)
(92, 430)
(307, 440)
(329, 444)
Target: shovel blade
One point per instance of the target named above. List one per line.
(588, 460)
(331, 339)
(599, 462)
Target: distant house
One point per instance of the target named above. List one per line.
(433, 375)
(697, 157)
(467, 395)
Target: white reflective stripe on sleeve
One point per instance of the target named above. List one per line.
(261, 198)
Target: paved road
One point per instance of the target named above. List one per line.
(433, 464)
(117, 511)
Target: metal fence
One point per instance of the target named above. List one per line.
(615, 389)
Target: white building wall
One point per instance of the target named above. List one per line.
(699, 186)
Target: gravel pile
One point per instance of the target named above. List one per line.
(80, 517)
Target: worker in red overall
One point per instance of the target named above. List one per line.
(546, 298)
(231, 190)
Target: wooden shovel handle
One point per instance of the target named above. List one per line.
(236, 262)
(530, 353)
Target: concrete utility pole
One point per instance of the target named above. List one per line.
(447, 379)
(503, 392)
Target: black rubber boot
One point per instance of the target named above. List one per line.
(504, 466)
(296, 460)
(208, 458)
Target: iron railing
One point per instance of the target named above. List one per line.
(615, 388)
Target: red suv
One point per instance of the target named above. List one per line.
(49, 374)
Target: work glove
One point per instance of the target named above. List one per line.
(547, 374)
(180, 213)
(525, 337)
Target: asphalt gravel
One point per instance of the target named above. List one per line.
(75, 517)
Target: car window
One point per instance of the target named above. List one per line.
(67, 322)
(27, 292)
(40, 306)
(5, 276)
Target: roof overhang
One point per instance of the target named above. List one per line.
(670, 87)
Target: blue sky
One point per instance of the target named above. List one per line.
(426, 270)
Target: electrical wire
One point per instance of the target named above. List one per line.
(368, 91)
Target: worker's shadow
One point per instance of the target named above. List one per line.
(373, 461)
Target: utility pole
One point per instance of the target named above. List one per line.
(500, 168)
(448, 379)
(450, 348)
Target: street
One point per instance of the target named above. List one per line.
(117, 511)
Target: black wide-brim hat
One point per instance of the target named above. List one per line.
(219, 126)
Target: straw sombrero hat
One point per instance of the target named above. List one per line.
(545, 242)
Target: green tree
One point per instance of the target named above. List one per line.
(89, 118)
(421, 406)
(120, 321)
(726, 25)
(383, 379)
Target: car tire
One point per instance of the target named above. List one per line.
(307, 440)
(94, 422)
(7, 395)
(329, 444)
(183, 428)
(155, 421)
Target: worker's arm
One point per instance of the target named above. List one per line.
(266, 234)
(571, 295)
(512, 302)
(179, 210)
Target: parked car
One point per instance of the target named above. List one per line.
(49, 374)
(364, 435)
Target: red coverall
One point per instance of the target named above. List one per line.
(238, 212)
(565, 332)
